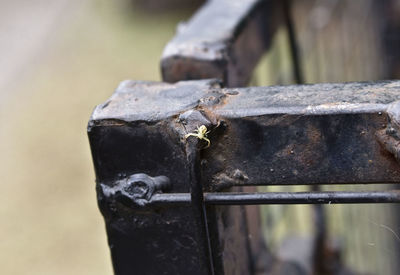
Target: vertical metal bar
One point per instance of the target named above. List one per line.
(294, 48)
(320, 241)
(245, 210)
(197, 200)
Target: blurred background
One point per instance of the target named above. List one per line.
(60, 58)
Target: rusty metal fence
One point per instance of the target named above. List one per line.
(177, 163)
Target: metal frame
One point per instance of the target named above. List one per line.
(173, 206)
(279, 135)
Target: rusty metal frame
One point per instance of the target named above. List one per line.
(148, 172)
(278, 135)
(328, 133)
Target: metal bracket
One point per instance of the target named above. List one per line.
(136, 189)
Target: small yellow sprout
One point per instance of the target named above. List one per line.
(201, 133)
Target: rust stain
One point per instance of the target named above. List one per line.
(389, 143)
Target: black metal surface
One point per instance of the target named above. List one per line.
(197, 201)
(161, 241)
(224, 39)
(148, 140)
(316, 134)
(305, 134)
(333, 197)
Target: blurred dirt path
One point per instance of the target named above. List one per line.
(26, 28)
(58, 59)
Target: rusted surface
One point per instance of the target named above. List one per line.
(224, 39)
(273, 135)
(295, 149)
(306, 134)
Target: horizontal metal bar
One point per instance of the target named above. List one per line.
(278, 135)
(336, 197)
